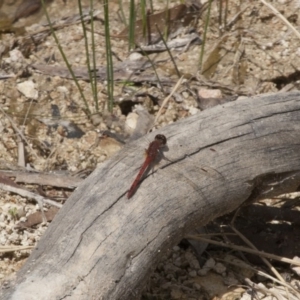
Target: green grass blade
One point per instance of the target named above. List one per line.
(131, 37)
(169, 52)
(204, 35)
(154, 69)
(87, 52)
(122, 12)
(151, 7)
(109, 62)
(65, 59)
(94, 84)
(144, 18)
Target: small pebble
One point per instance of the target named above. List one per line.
(197, 286)
(193, 273)
(176, 248)
(27, 88)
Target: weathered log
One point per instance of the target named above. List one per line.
(103, 246)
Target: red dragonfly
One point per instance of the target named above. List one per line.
(151, 156)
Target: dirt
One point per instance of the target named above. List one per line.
(250, 51)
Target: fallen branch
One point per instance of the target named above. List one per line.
(103, 246)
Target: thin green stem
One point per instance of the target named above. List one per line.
(122, 12)
(131, 38)
(226, 13)
(204, 35)
(169, 52)
(86, 44)
(94, 85)
(220, 16)
(153, 66)
(109, 62)
(151, 6)
(144, 17)
(65, 58)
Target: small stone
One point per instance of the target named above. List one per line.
(176, 294)
(166, 285)
(2, 217)
(193, 110)
(202, 272)
(27, 88)
(170, 277)
(182, 278)
(14, 238)
(210, 263)
(20, 212)
(197, 286)
(188, 283)
(192, 260)
(135, 56)
(23, 219)
(16, 56)
(9, 230)
(131, 122)
(220, 268)
(209, 93)
(3, 239)
(185, 95)
(176, 248)
(193, 273)
(178, 262)
(62, 89)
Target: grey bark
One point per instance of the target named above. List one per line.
(103, 246)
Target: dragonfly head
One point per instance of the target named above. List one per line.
(161, 139)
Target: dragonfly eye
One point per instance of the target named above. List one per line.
(161, 138)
